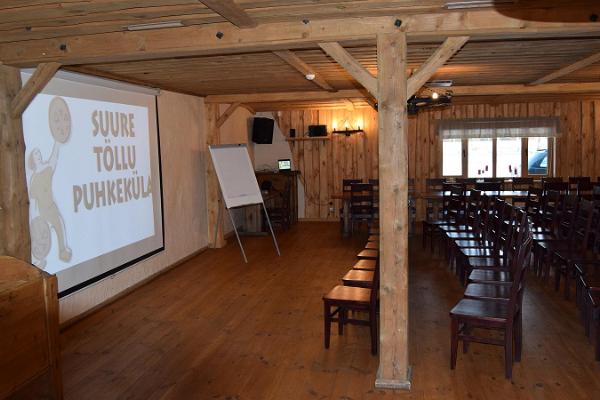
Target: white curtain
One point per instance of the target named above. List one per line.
(498, 128)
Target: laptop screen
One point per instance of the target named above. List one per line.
(285, 165)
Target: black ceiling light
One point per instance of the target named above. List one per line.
(428, 100)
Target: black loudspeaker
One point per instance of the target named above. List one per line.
(292, 132)
(317, 130)
(262, 130)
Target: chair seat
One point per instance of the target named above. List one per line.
(481, 309)
(373, 238)
(479, 252)
(488, 291)
(486, 263)
(366, 265)
(359, 278)
(372, 245)
(462, 235)
(368, 254)
(349, 294)
(469, 244)
(490, 276)
(455, 228)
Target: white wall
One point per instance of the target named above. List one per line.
(266, 156)
(182, 135)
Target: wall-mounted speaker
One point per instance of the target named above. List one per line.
(262, 130)
(317, 130)
(292, 132)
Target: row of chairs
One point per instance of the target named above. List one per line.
(357, 294)
(566, 239)
(488, 242)
(364, 200)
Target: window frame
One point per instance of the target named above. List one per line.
(524, 158)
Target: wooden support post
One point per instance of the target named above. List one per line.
(353, 67)
(230, 110)
(39, 79)
(213, 196)
(393, 371)
(14, 200)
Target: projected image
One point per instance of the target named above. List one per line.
(40, 189)
(93, 179)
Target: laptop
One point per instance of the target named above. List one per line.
(284, 165)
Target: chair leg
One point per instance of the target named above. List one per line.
(453, 342)
(518, 337)
(327, 320)
(373, 327)
(467, 330)
(342, 315)
(598, 340)
(508, 351)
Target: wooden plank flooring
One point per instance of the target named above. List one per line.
(216, 328)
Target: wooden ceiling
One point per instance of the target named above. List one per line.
(28, 25)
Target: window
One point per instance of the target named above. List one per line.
(537, 156)
(508, 157)
(480, 158)
(497, 148)
(452, 157)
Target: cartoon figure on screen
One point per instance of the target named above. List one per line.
(41, 194)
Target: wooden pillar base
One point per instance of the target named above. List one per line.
(383, 383)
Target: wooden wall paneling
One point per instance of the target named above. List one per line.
(331, 167)
(596, 170)
(586, 151)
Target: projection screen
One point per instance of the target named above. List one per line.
(93, 175)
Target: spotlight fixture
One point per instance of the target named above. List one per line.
(435, 95)
(155, 25)
(310, 76)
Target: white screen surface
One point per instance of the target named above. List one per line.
(92, 162)
(236, 175)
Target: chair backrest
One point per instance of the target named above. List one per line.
(551, 179)
(574, 180)
(568, 215)
(468, 182)
(551, 205)
(533, 203)
(582, 226)
(521, 183)
(489, 186)
(347, 184)
(562, 187)
(432, 184)
(520, 262)
(584, 189)
(454, 203)
(473, 209)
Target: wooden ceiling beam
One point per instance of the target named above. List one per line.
(555, 88)
(284, 97)
(302, 67)
(443, 53)
(342, 95)
(594, 58)
(232, 12)
(40, 78)
(353, 67)
(222, 38)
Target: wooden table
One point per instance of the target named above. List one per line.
(503, 194)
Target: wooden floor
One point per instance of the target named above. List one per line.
(215, 328)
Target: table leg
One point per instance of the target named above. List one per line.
(346, 214)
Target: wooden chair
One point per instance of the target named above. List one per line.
(433, 185)
(452, 203)
(489, 186)
(368, 254)
(375, 195)
(522, 183)
(562, 187)
(346, 187)
(507, 317)
(565, 253)
(365, 265)
(280, 211)
(551, 179)
(359, 278)
(576, 180)
(347, 298)
(361, 203)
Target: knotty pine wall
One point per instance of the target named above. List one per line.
(324, 164)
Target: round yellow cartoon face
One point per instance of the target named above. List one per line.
(59, 118)
(40, 238)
